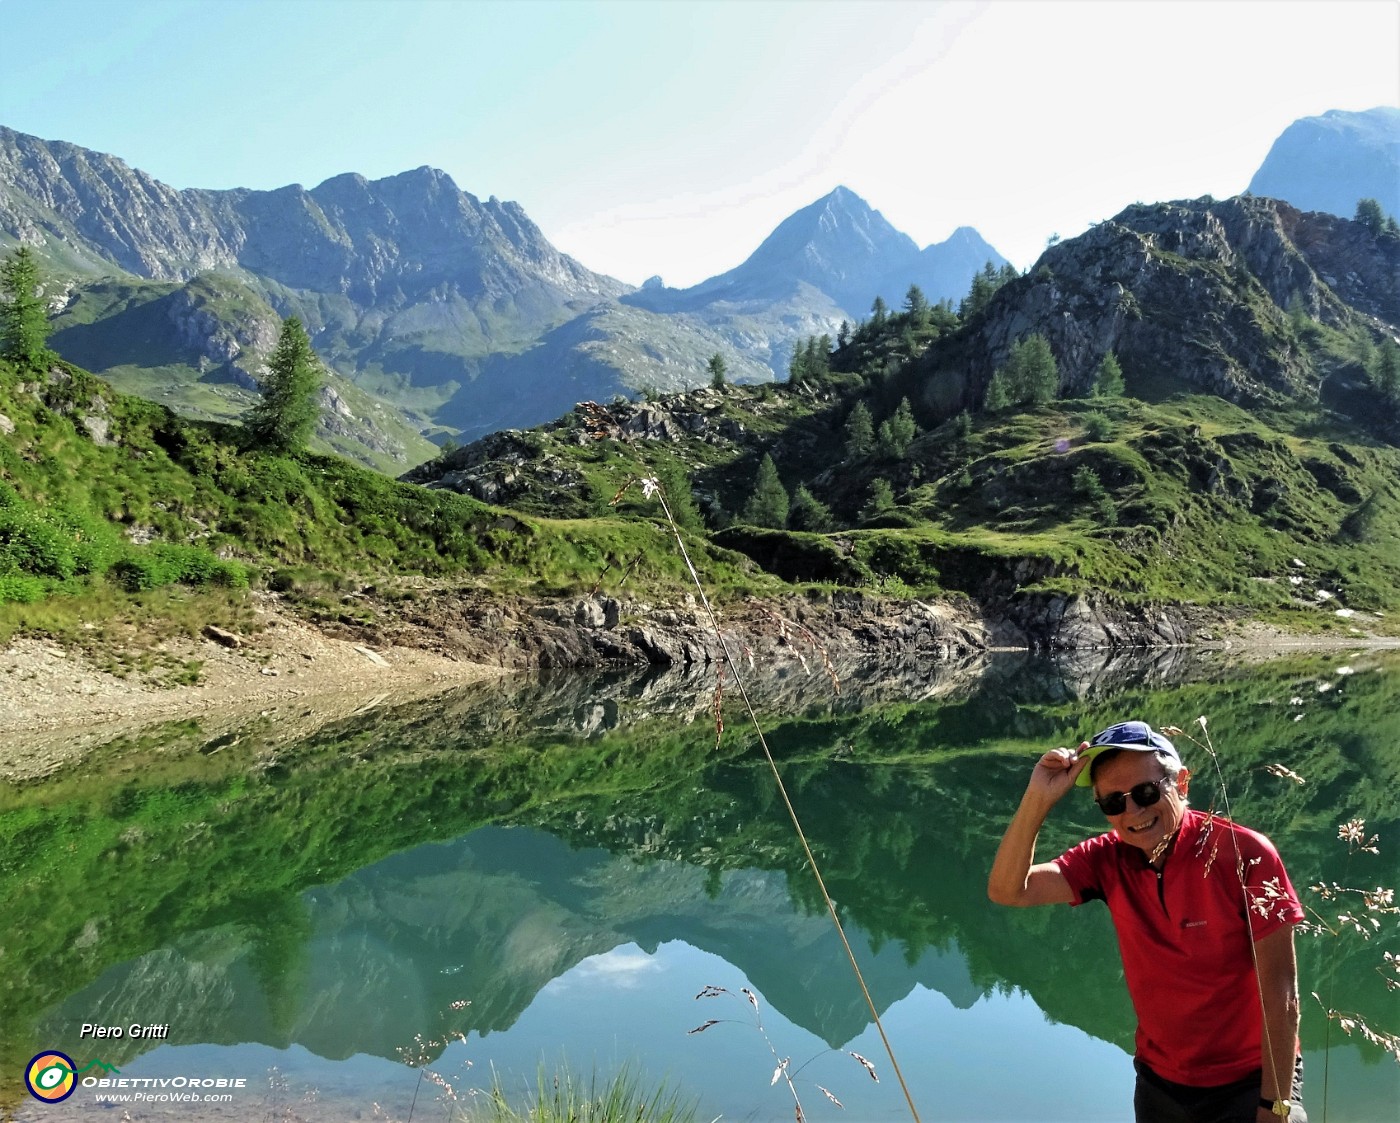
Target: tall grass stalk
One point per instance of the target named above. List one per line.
(599, 423)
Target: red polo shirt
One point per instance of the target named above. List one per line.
(1184, 936)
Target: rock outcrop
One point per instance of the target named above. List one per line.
(1194, 291)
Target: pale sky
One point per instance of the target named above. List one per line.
(671, 136)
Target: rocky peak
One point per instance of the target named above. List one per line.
(838, 244)
(1197, 290)
(1329, 162)
(348, 235)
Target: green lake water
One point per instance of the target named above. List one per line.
(548, 873)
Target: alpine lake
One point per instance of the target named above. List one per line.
(382, 917)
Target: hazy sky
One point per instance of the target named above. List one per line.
(670, 137)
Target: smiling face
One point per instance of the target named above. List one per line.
(1143, 827)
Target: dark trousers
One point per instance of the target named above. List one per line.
(1158, 1100)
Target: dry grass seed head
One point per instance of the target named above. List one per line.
(1284, 773)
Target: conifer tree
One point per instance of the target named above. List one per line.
(898, 431)
(283, 420)
(879, 311)
(718, 370)
(917, 306)
(680, 499)
(1108, 378)
(860, 432)
(881, 498)
(797, 365)
(998, 397)
(1370, 215)
(23, 317)
(808, 512)
(1032, 376)
(984, 287)
(1385, 376)
(768, 504)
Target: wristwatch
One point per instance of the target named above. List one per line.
(1280, 1108)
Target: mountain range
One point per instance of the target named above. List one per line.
(440, 315)
(420, 297)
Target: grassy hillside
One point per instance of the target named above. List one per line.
(1189, 498)
(104, 496)
(197, 348)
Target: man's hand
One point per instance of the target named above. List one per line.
(1055, 773)
(1014, 879)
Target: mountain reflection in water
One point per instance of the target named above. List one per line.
(575, 860)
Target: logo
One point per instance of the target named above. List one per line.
(51, 1076)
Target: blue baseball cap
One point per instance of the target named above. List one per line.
(1135, 735)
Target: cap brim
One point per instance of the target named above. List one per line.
(1083, 780)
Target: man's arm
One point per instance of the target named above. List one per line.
(1015, 879)
(1278, 990)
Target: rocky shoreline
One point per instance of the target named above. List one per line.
(392, 645)
(599, 631)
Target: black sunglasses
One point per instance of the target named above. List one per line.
(1144, 795)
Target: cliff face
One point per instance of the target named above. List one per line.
(1197, 291)
(399, 236)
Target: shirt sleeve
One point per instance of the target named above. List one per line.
(1082, 867)
(1272, 900)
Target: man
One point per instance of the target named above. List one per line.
(1204, 914)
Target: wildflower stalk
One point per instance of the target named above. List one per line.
(1279, 1082)
(650, 485)
(599, 424)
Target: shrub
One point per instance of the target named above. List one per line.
(1097, 426)
(31, 544)
(15, 588)
(167, 563)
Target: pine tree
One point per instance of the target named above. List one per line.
(23, 317)
(881, 498)
(917, 306)
(808, 512)
(998, 397)
(680, 499)
(1385, 375)
(768, 504)
(797, 365)
(718, 370)
(1108, 378)
(283, 420)
(879, 312)
(1032, 376)
(898, 431)
(860, 432)
(1370, 215)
